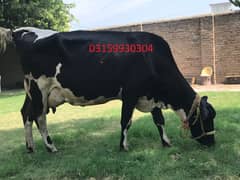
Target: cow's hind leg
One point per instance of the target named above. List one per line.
(128, 106)
(41, 122)
(27, 121)
(159, 122)
(42, 126)
(35, 108)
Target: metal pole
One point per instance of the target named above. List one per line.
(214, 49)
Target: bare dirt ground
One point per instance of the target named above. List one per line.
(217, 87)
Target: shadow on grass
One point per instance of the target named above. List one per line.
(90, 148)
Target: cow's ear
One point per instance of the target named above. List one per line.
(203, 107)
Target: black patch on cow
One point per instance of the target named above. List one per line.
(26, 108)
(36, 102)
(49, 140)
(32, 108)
(53, 110)
(29, 149)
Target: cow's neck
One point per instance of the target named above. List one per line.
(185, 98)
(188, 99)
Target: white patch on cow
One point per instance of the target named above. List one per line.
(44, 132)
(125, 135)
(120, 93)
(169, 106)
(60, 95)
(125, 138)
(28, 133)
(29, 76)
(165, 138)
(41, 33)
(181, 113)
(58, 68)
(23, 34)
(55, 98)
(53, 94)
(146, 105)
(43, 82)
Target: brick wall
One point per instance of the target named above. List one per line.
(227, 45)
(191, 40)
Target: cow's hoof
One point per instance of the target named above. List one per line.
(30, 147)
(30, 150)
(52, 149)
(165, 144)
(124, 149)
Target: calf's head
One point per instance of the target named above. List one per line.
(202, 124)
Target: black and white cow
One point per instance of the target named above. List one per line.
(74, 67)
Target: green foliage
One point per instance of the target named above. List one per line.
(235, 2)
(88, 139)
(50, 14)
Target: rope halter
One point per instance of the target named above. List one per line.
(186, 125)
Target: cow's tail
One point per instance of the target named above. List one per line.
(5, 38)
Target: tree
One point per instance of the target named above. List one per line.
(49, 14)
(235, 2)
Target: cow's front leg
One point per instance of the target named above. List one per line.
(127, 111)
(159, 122)
(42, 126)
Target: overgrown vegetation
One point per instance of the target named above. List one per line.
(235, 2)
(50, 14)
(88, 139)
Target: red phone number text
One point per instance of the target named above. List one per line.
(120, 48)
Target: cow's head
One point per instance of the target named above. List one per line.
(5, 39)
(202, 124)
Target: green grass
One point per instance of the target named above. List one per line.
(88, 138)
